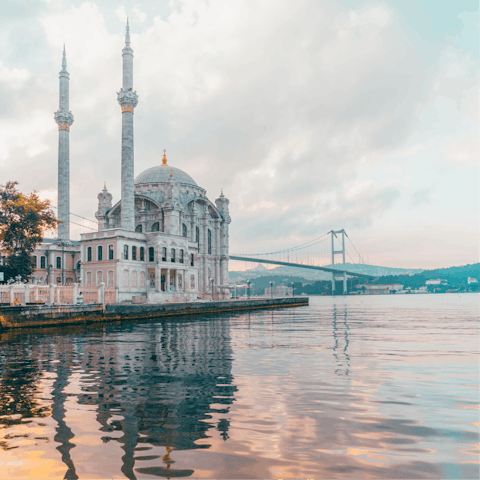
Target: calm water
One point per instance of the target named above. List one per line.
(354, 387)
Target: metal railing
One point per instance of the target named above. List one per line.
(56, 294)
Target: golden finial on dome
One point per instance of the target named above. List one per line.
(171, 172)
(221, 191)
(105, 185)
(164, 159)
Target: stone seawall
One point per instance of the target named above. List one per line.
(48, 315)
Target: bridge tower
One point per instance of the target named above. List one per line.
(335, 252)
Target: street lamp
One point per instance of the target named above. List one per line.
(271, 289)
(212, 287)
(248, 289)
(293, 289)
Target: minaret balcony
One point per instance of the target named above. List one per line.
(127, 99)
(64, 119)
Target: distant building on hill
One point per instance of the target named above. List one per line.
(472, 280)
(381, 289)
(280, 291)
(436, 281)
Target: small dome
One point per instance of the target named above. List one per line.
(161, 174)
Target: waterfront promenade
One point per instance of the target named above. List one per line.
(48, 315)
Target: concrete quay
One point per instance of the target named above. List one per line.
(52, 315)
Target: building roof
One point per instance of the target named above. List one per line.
(55, 240)
(161, 174)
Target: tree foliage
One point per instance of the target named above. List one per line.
(24, 218)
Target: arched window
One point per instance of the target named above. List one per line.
(181, 256)
(172, 257)
(110, 278)
(89, 254)
(42, 262)
(139, 229)
(134, 253)
(209, 242)
(164, 254)
(156, 227)
(100, 253)
(151, 254)
(59, 263)
(197, 234)
(125, 252)
(192, 260)
(34, 261)
(184, 230)
(142, 254)
(110, 252)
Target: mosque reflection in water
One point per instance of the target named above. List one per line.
(158, 384)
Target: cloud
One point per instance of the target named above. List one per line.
(285, 108)
(421, 197)
(14, 78)
(462, 152)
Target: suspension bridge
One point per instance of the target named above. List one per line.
(313, 255)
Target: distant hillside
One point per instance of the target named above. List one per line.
(260, 271)
(462, 272)
(455, 276)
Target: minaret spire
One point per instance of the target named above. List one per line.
(64, 119)
(127, 34)
(128, 100)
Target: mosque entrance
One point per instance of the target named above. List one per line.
(163, 281)
(173, 282)
(151, 278)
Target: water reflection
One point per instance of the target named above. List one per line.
(339, 389)
(340, 340)
(63, 432)
(158, 385)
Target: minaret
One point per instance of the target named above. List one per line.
(64, 119)
(128, 100)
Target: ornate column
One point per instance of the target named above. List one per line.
(217, 252)
(200, 258)
(206, 256)
(222, 206)
(128, 100)
(64, 119)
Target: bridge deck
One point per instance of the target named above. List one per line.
(299, 265)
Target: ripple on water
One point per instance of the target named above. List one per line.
(383, 387)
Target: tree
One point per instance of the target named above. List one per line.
(23, 221)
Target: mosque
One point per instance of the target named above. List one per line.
(163, 239)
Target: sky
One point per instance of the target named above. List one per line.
(312, 115)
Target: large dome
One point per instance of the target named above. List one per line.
(161, 174)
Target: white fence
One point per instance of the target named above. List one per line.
(56, 294)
